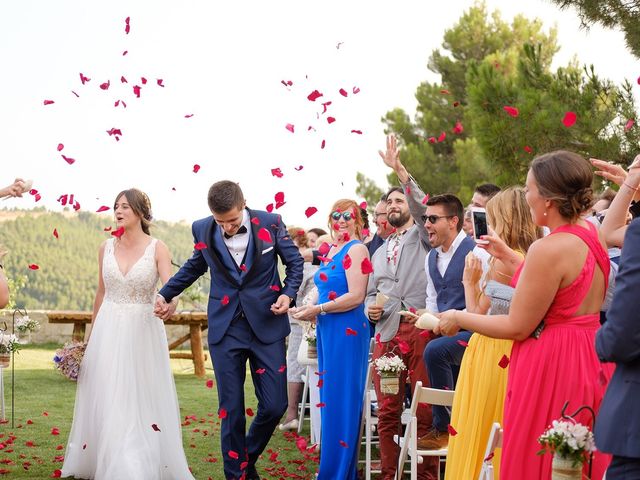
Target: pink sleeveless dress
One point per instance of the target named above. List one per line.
(561, 365)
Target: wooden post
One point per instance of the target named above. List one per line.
(78, 331)
(196, 349)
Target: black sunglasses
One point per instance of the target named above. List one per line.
(432, 219)
(346, 215)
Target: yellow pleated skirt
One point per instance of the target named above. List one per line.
(477, 404)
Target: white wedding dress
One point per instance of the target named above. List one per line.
(126, 422)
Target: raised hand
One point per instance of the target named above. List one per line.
(16, 189)
(472, 269)
(391, 156)
(609, 171)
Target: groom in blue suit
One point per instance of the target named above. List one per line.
(617, 429)
(247, 316)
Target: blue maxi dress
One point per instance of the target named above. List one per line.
(343, 349)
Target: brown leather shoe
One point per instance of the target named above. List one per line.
(433, 440)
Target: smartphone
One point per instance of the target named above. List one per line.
(479, 220)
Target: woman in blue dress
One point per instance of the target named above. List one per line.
(343, 340)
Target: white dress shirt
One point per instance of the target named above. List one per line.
(442, 263)
(238, 244)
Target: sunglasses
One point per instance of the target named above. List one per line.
(432, 219)
(346, 215)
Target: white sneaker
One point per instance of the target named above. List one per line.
(290, 425)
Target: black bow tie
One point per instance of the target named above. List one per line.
(241, 230)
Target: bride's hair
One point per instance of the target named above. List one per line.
(140, 204)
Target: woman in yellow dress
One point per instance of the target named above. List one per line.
(482, 381)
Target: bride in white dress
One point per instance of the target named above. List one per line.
(126, 422)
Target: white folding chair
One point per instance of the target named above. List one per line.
(495, 441)
(409, 443)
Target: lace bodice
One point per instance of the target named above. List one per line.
(139, 285)
(500, 296)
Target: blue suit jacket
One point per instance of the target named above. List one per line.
(253, 290)
(617, 428)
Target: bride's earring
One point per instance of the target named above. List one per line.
(545, 214)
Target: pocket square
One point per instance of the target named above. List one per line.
(266, 250)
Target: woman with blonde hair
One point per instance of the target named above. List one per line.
(482, 381)
(342, 340)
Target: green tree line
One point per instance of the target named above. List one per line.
(67, 274)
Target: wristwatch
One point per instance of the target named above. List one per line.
(322, 312)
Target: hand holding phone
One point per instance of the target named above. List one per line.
(480, 228)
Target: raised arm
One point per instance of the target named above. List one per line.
(413, 192)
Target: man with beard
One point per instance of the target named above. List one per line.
(398, 273)
(383, 230)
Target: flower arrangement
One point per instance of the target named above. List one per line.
(389, 363)
(569, 440)
(26, 324)
(9, 343)
(310, 335)
(67, 359)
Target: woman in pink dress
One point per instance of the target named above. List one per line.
(553, 318)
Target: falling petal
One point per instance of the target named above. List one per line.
(351, 332)
(60, 147)
(105, 85)
(442, 136)
(528, 149)
(330, 120)
(265, 235)
(69, 160)
(33, 266)
(452, 431)
(629, 124)
(513, 111)
(48, 102)
(249, 412)
(463, 343)
(200, 246)
(323, 277)
(366, 266)
(196, 168)
(55, 233)
(289, 127)
(343, 92)
(343, 444)
(356, 90)
(84, 79)
(233, 454)
(118, 233)
(189, 115)
(160, 82)
(346, 262)
(425, 199)
(298, 168)
(222, 414)
(313, 96)
(123, 80)
(155, 427)
(322, 145)
(225, 300)
(444, 92)
(569, 119)
(332, 295)
(136, 90)
(103, 208)
(310, 211)
(276, 172)
(359, 132)
(260, 371)
(504, 362)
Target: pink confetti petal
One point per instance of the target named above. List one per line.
(330, 120)
(276, 172)
(629, 124)
(48, 102)
(343, 92)
(359, 132)
(513, 111)
(196, 168)
(298, 168)
(136, 90)
(103, 208)
(160, 82)
(265, 235)
(84, 79)
(569, 119)
(310, 211)
(34, 266)
(366, 266)
(452, 431)
(69, 160)
(105, 85)
(290, 127)
(313, 96)
(350, 332)
(356, 90)
(188, 115)
(200, 246)
(60, 147)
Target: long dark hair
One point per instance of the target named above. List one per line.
(140, 204)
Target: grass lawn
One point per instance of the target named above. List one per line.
(44, 401)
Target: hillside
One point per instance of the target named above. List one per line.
(68, 266)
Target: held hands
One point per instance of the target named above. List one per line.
(448, 324)
(16, 189)
(306, 313)
(281, 306)
(374, 312)
(164, 310)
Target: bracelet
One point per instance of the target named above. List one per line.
(322, 308)
(629, 186)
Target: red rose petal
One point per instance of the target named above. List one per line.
(123, 80)
(76, 206)
(196, 168)
(332, 295)
(255, 221)
(269, 208)
(452, 431)
(425, 199)
(233, 454)
(298, 168)
(489, 457)
(366, 266)
(250, 412)
(105, 85)
(513, 111)
(504, 361)
(209, 383)
(33, 266)
(310, 211)
(301, 444)
(458, 129)
(200, 246)
(160, 83)
(57, 473)
(569, 119)
(55, 232)
(313, 96)
(55, 431)
(260, 371)
(321, 404)
(188, 115)
(528, 149)
(444, 92)
(118, 233)
(125, 52)
(324, 248)
(84, 79)
(48, 102)
(107, 229)
(143, 80)
(69, 160)
(442, 136)
(265, 235)
(343, 92)
(282, 368)
(225, 300)
(243, 267)
(330, 120)
(463, 343)
(275, 288)
(136, 90)
(323, 277)
(350, 332)
(276, 172)
(222, 414)
(359, 132)
(404, 347)
(432, 140)
(629, 124)
(103, 208)
(60, 147)
(343, 444)
(346, 262)
(155, 427)
(290, 127)
(322, 145)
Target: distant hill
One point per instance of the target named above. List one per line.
(68, 266)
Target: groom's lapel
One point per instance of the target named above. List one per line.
(214, 239)
(253, 260)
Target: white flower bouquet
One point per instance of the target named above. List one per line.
(389, 364)
(9, 343)
(569, 440)
(26, 324)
